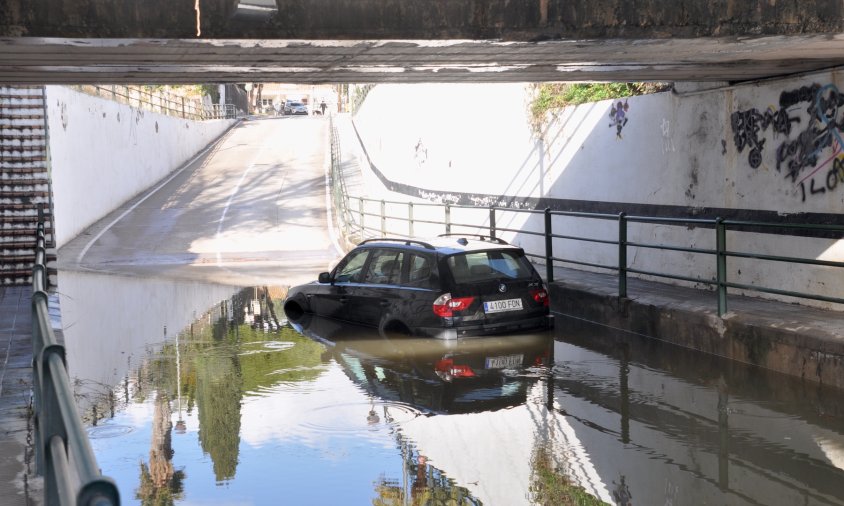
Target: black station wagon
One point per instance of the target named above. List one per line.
(447, 287)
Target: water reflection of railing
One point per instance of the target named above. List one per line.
(764, 438)
(63, 452)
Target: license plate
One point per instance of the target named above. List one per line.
(504, 362)
(499, 306)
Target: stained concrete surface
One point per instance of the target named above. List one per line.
(18, 483)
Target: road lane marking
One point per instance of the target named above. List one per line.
(217, 236)
(148, 195)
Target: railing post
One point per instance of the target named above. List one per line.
(38, 380)
(50, 421)
(549, 248)
(448, 218)
(410, 219)
(383, 219)
(622, 255)
(721, 247)
(360, 217)
(492, 222)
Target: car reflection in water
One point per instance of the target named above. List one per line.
(442, 377)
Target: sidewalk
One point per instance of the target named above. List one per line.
(18, 485)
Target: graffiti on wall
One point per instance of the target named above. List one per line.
(618, 117)
(808, 125)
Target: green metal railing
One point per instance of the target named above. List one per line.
(356, 214)
(63, 452)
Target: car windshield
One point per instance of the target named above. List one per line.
(489, 265)
(297, 104)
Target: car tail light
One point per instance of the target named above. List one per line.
(445, 306)
(540, 296)
(448, 370)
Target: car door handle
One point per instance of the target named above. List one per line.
(384, 303)
(344, 300)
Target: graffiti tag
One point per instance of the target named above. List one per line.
(798, 157)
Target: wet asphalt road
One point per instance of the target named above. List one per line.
(252, 210)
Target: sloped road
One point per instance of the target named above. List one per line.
(252, 210)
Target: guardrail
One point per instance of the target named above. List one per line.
(161, 102)
(63, 453)
(360, 218)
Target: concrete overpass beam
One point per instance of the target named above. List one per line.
(516, 20)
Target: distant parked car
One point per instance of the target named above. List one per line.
(295, 108)
(448, 287)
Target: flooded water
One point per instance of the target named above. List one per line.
(198, 394)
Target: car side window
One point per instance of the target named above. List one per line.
(384, 268)
(349, 271)
(419, 271)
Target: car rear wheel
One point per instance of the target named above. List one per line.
(394, 330)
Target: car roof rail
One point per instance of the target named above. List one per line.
(405, 241)
(477, 236)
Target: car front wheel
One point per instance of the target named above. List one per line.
(293, 310)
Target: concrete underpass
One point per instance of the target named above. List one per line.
(167, 216)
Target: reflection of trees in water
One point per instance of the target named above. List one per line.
(160, 484)
(421, 484)
(218, 392)
(551, 486)
(222, 358)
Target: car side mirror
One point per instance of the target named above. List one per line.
(324, 277)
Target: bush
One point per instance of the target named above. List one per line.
(555, 96)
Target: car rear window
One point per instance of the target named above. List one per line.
(487, 265)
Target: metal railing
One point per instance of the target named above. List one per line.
(63, 453)
(161, 102)
(361, 218)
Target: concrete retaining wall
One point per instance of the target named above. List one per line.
(103, 153)
(807, 346)
(756, 152)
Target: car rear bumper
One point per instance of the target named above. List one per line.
(539, 322)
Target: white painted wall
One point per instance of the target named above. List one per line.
(675, 149)
(104, 153)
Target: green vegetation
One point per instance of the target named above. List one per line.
(550, 485)
(360, 96)
(222, 358)
(549, 97)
